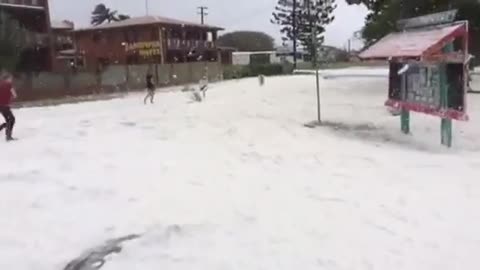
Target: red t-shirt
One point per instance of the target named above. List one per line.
(5, 93)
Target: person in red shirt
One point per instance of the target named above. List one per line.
(7, 95)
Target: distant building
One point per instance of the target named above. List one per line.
(44, 41)
(34, 32)
(144, 40)
(64, 45)
(284, 54)
(330, 54)
(280, 55)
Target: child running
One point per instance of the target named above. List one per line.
(150, 89)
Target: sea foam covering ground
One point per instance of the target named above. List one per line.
(238, 182)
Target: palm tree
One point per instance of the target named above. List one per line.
(122, 17)
(103, 14)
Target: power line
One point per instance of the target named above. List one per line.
(203, 13)
(146, 7)
(254, 13)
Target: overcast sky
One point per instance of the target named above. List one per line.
(250, 15)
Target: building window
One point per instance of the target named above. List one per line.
(131, 36)
(154, 33)
(96, 37)
(175, 34)
(108, 37)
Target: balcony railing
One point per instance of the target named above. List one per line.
(179, 44)
(63, 40)
(30, 39)
(40, 4)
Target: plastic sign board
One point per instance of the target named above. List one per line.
(144, 49)
(428, 69)
(420, 89)
(428, 20)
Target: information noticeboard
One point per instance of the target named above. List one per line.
(420, 85)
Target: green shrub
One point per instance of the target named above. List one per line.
(237, 72)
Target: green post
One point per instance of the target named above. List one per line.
(404, 113)
(446, 124)
(405, 121)
(447, 132)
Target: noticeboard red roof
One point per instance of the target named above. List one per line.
(413, 43)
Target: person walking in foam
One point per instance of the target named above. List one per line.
(150, 89)
(7, 95)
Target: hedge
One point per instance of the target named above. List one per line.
(236, 72)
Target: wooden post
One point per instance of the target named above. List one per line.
(51, 40)
(220, 65)
(184, 39)
(162, 50)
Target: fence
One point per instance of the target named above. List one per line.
(115, 78)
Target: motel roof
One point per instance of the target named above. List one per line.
(148, 20)
(10, 5)
(62, 25)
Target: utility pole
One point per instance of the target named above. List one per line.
(146, 7)
(295, 35)
(203, 13)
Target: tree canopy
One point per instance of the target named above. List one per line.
(317, 15)
(247, 41)
(297, 23)
(383, 15)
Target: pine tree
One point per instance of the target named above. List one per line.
(297, 24)
(314, 17)
(287, 16)
(384, 13)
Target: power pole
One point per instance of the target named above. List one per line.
(146, 7)
(203, 13)
(295, 35)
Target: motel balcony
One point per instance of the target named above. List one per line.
(35, 39)
(63, 43)
(40, 4)
(180, 44)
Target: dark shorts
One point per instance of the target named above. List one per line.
(6, 112)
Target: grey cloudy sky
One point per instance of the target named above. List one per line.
(249, 15)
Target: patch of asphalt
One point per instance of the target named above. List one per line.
(94, 259)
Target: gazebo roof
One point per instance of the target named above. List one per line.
(412, 43)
